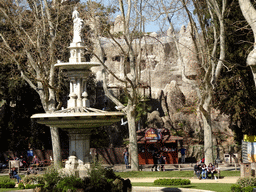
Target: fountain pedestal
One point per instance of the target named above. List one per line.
(79, 145)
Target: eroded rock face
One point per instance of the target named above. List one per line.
(118, 25)
(188, 52)
(175, 99)
(154, 120)
(159, 60)
(162, 71)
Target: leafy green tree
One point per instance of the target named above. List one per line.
(19, 102)
(235, 91)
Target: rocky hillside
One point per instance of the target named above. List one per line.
(176, 105)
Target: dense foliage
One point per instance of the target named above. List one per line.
(244, 184)
(19, 102)
(21, 186)
(7, 185)
(99, 179)
(247, 181)
(235, 93)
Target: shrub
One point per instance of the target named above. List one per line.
(247, 181)
(21, 186)
(69, 182)
(163, 182)
(172, 182)
(31, 186)
(102, 179)
(248, 189)
(236, 188)
(5, 179)
(185, 182)
(51, 178)
(33, 179)
(7, 185)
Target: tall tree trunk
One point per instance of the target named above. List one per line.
(132, 136)
(56, 149)
(208, 146)
(206, 116)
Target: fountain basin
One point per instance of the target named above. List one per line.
(77, 65)
(78, 120)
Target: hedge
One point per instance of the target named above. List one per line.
(7, 185)
(172, 182)
(32, 186)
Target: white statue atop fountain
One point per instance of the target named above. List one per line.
(78, 25)
(77, 46)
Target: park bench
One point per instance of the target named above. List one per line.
(217, 171)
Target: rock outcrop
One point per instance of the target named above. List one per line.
(163, 70)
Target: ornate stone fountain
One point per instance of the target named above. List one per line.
(78, 119)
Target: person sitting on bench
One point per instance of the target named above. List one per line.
(198, 169)
(14, 174)
(204, 171)
(211, 170)
(31, 170)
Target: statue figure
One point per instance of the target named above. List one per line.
(75, 14)
(78, 25)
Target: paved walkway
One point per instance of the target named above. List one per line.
(152, 179)
(166, 189)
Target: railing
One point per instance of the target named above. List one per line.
(178, 167)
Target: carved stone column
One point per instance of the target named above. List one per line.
(79, 144)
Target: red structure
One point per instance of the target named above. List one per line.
(151, 139)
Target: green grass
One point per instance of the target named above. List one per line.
(7, 178)
(141, 174)
(9, 189)
(218, 187)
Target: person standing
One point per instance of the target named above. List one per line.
(36, 161)
(23, 162)
(155, 160)
(162, 160)
(126, 156)
(183, 153)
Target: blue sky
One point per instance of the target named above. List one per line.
(178, 19)
(152, 27)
